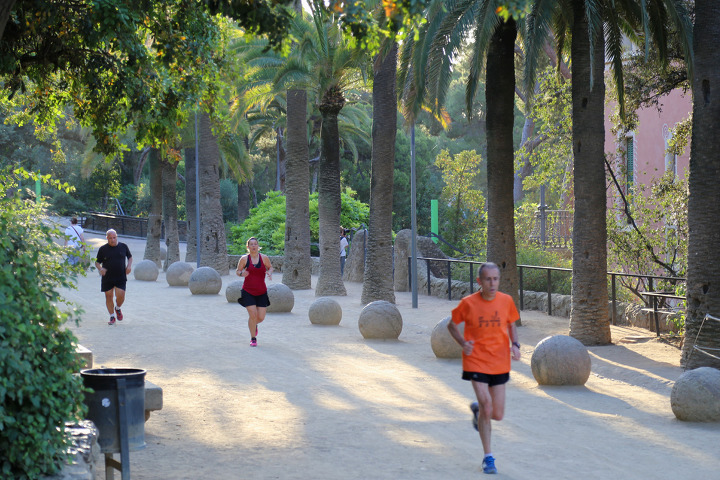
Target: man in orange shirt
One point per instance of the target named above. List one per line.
(490, 340)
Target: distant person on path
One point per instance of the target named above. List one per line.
(110, 262)
(75, 238)
(343, 249)
(253, 267)
(490, 340)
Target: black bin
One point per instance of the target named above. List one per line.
(107, 410)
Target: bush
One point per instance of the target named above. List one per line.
(38, 391)
(535, 280)
(266, 222)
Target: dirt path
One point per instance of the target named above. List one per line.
(315, 402)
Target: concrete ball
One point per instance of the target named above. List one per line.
(380, 319)
(146, 271)
(233, 291)
(442, 343)
(205, 281)
(695, 397)
(560, 360)
(325, 311)
(178, 274)
(281, 298)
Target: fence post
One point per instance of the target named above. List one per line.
(428, 276)
(449, 281)
(522, 299)
(614, 300)
(549, 291)
(410, 273)
(471, 278)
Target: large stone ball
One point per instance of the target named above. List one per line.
(146, 271)
(695, 396)
(325, 311)
(442, 343)
(281, 297)
(380, 319)
(205, 281)
(560, 360)
(233, 291)
(178, 274)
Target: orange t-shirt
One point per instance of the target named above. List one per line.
(486, 323)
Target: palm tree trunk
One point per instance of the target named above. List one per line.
(589, 320)
(213, 247)
(500, 101)
(703, 276)
(243, 200)
(170, 216)
(297, 267)
(378, 279)
(190, 200)
(329, 201)
(152, 245)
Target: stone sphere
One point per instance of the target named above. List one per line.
(695, 396)
(178, 274)
(281, 297)
(146, 271)
(380, 319)
(560, 360)
(163, 253)
(325, 311)
(442, 343)
(205, 281)
(234, 291)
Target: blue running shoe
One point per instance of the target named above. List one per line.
(475, 410)
(489, 465)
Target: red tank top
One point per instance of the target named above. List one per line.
(254, 283)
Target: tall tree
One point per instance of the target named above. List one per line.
(213, 245)
(377, 283)
(169, 209)
(190, 205)
(152, 245)
(703, 277)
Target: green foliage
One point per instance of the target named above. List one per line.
(536, 279)
(653, 240)
(229, 199)
(38, 391)
(462, 210)
(266, 222)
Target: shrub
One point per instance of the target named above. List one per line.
(38, 391)
(266, 222)
(536, 279)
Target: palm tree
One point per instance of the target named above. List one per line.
(596, 29)
(213, 246)
(152, 245)
(427, 69)
(377, 283)
(169, 210)
(703, 276)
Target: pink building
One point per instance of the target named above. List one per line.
(640, 156)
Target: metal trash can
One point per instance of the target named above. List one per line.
(116, 405)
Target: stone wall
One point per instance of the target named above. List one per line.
(86, 460)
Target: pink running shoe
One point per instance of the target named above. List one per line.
(253, 342)
(119, 314)
(112, 320)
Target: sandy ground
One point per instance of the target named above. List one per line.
(320, 402)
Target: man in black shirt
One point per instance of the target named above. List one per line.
(110, 262)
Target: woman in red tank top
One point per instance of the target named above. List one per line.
(254, 267)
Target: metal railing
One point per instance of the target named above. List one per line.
(521, 268)
(125, 225)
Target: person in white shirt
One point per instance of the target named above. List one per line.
(75, 238)
(343, 249)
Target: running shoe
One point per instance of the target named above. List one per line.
(119, 314)
(253, 342)
(475, 410)
(112, 320)
(489, 465)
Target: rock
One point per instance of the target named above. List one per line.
(380, 319)
(146, 271)
(695, 397)
(233, 291)
(281, 297)
(163, 253)
(560, 360)
(355, 263)
(442, 343)
(205, 281)
(178, 274)
(325, 311)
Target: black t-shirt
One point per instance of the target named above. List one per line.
(113, 258)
